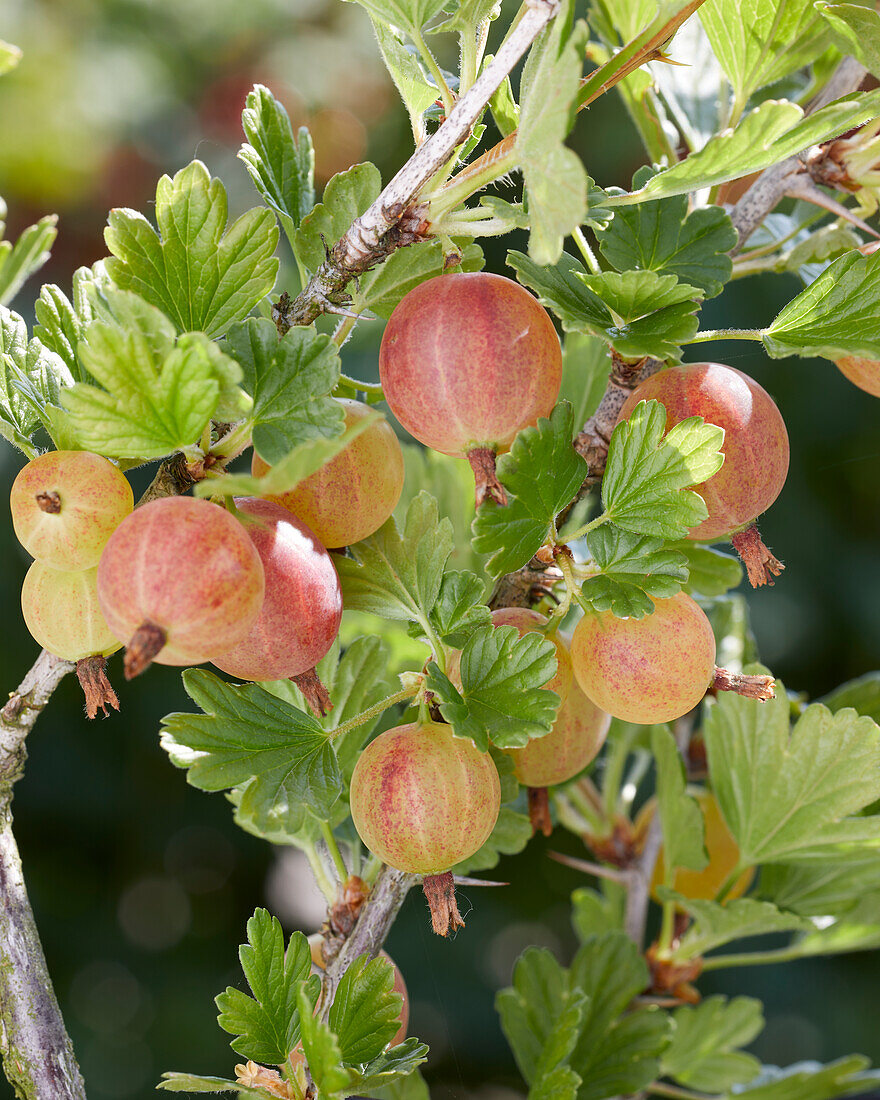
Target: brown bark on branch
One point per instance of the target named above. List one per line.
(394, 219)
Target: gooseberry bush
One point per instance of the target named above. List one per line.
(585, 657)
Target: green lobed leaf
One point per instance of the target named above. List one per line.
(785, 793)
(702, 1053)
(190, 1082)
(459, 609)
(31, 380)
(247, 736)
(321, 1049)
(632, 568)
(855, 29)
(542, 473)
(511, 834)
(810, 1081)
(528, 1009)
(714, 925)
(645, 488)
(394, 1075)
(502, 697)
(834, 887)
(403, 13)
(397, 574)
(767, 40)
(593, 913)
(710, 572)
(266, 1026)
(680, 814)
(154, 394)
(200, 274)
(664, 236)
(836, 315)
(19, 261)
(767, 135)
(381, 288)
(862, 694)
(61, 322)
(346, 196)
(365, 1014)
(281, 165)
(467, 15)
(585, 368)
(617, 1050)
(290, 381)
(416, 90)
(554, 1078)
(553, 176)
(570, 292)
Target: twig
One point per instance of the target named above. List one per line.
(642, 871)
(373, 925)
(391, 222)
(599, 870)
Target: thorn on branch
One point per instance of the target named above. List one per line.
(761, 565)
(752, 687)
(92, 675)
(439, 890)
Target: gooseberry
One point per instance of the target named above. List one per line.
(179, 582)
(864, 373)
(422, 799)
(755, 448)
(646, 670)
(721, 849)
(66, 505)
(466, 361)
(578, 734)
(302, 607)
(62, 612)
(353, 494)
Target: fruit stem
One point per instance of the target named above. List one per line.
(374, 711)
(539, 810)
(667, 927)
(589, 256)
(753, 958)
(333, 848)
(587, 527)
(358, 385)
(321, 878)
(726, 334)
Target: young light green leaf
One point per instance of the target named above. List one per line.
(714, 924)
(155, 395)
(31, 380)
(403, 13)
(770, 133)
(398, 574)
(636, 294)
(266, 1026)
(280, 164)
(593, 914)
(365, 1014)
(855, 29)
(380, 289)
(554, 177)
(554, 1078)
(467, 15)
(710, 572)
(459, 609)
(645, 488)
(835, 316)
(321, 1049)
(542, 473)
(787, 793)
(663, 236)
(632, 568)
(502, 697)
(61, 322)
(285, 475)
(680, 815)
(346, 196)
(416, 90)
(30, 252)
(247, 736)
(394, 1075)
(824, 888)
(290, 381)
(585, 368)
(703, 1054)
(766, 41)
(617, 1051)
(561, 289)
(511, 834)
(810, 1081)
(862, 694)
(190, 1082)
(195, 270)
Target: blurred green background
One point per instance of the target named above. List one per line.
(142, 885)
